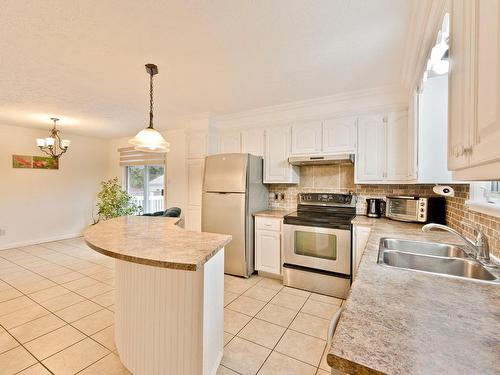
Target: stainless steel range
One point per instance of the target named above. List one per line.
(317, 244)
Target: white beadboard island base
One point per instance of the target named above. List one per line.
(169, 294)
(170, 321)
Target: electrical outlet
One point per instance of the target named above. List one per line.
(282, 196)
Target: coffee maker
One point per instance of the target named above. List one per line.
(374, 207)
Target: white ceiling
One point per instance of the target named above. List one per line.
(84, 60)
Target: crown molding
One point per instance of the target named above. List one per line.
(356, 102)
(352, 103)
(346, 96)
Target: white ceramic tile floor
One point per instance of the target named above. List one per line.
(56, 317)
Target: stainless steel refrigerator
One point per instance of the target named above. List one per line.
(232, 192)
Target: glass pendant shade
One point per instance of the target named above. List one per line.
(150, 140)
(40, 142)
(50, 141)
(65, 143)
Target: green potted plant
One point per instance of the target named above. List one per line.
(113, 201)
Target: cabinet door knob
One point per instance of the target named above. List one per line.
(467, 150)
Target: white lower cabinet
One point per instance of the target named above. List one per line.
(268, 245)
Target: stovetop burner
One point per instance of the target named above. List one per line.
(324, 210)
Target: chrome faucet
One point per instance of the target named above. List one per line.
(480, 249)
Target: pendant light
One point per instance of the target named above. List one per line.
(149, 139)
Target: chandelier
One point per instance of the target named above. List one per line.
(53, 146)
(150, 139)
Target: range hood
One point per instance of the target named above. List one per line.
(322, 159)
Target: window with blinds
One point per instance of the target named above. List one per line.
(130, 156)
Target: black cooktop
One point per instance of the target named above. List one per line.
(324, 210)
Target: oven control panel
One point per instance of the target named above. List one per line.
(326, 199)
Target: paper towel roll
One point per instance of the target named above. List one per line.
(446, 191)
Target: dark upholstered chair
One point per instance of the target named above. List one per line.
(169, 212)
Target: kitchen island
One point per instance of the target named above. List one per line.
(169, 294)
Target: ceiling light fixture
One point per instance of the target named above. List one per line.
(53, 146)
(149, 139)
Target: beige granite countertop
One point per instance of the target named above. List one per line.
(364, 220)
(398, 321)
(273, 213)
(154, 241)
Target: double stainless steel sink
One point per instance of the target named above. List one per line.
(432, 257)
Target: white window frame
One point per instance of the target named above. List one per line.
(478, 201)
(145, 209)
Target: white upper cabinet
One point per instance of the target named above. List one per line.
(383, 153)
(474, 125)
(196, 145)
(276, 151)
(460, 101)
(230, 142)
(487, 59)
(339, 135)
(306, 138)
(398, 156)
(252, 142)
(371, 157)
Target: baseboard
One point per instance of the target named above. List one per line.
(270, 275)
(217, 363)
(39, 240)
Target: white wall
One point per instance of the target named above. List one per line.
(42, 205)
(175, 188)
(433, 131)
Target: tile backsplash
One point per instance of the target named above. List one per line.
(460, 218)
(340, 179)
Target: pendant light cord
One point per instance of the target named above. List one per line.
(151, 100)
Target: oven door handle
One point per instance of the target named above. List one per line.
(333, 325)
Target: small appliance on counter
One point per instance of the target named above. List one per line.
(417, 209)
(374, 207)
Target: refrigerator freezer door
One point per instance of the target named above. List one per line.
(225, 213)
(226, 173)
